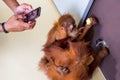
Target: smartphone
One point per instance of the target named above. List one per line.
(32, 15)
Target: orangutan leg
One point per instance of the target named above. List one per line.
(101, 54)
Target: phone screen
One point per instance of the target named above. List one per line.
(32, 15)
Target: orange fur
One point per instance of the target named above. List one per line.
(67, 57)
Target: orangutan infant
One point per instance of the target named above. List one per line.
(67, 55)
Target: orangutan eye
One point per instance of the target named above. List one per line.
(62, 28)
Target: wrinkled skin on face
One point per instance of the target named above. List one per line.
(67, 55)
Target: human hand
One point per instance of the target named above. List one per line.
(15, 24)
(23, 9)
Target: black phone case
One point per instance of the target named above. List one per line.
(32, 15)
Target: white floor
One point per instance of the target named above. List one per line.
(20, 52)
